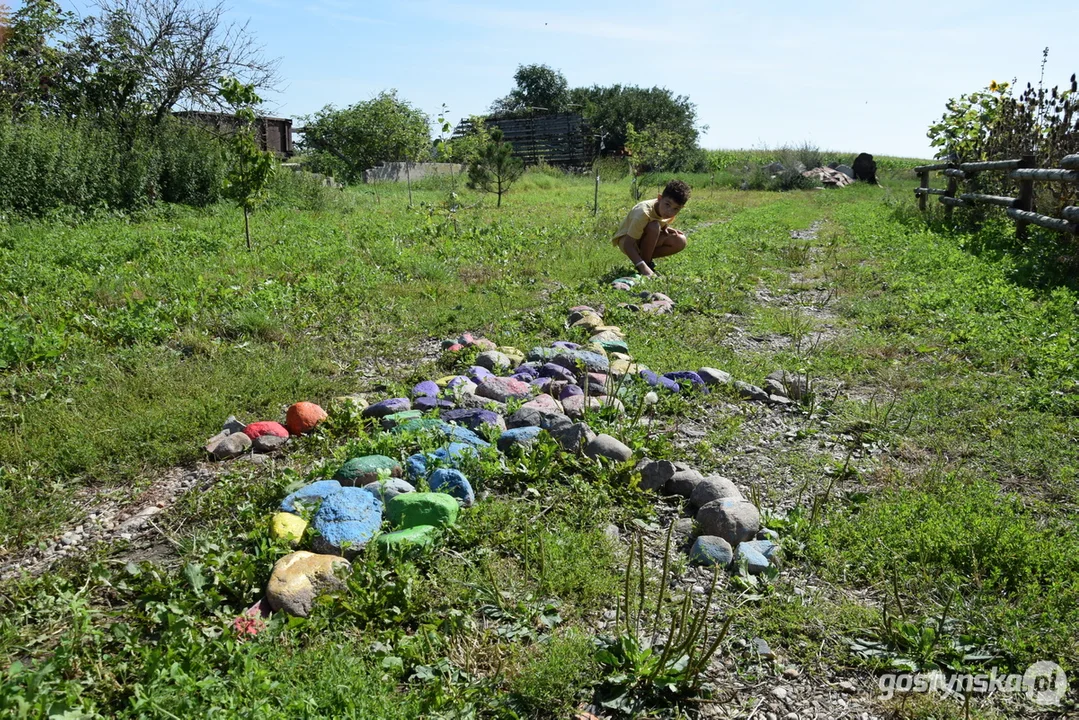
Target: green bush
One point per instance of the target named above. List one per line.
(51, 164)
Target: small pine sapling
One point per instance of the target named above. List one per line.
(245, 182)
(495, 169)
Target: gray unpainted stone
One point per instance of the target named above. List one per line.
(712, 488)
(493, 360)
(268, 443)
(572, 437)
(794, 386)
(655, 474)
(751, 392)
(608, 446)
(732, 519)
(386, 490)
(533, 417)
(774, 387)
(233, 425)
(231, 446)
(684, 481)
(712, 376)
(756, 562)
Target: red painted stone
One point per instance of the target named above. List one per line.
(265, 427)
(303, 417)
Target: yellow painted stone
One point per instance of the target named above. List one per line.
(620, 356)
(588, 322)
(596, 348)
(623, 367)
(611, 329)
(298, 578)
(444, 381)
(357, 401)
(516, 356)
(286, 526)
(606, 336)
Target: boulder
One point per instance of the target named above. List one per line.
(533, 417)
(453, 483)
(607, 446)
(714, 487)
(518, 437)
(711, 550)
(732, 519)
(287, 526)
(688, 378)
(430, 508)
(755, 560)
(363, 470)
(265, 427)
(389, 422)
(400, 542)
(346, 521)
(751, 392)
(846, 170)
(575, 405)
(474, 418)
(387, 407)
(386, 490)
(310, 495)
(300, 577)
(303, 417)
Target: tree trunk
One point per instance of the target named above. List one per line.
(247, 229)
(408, 179)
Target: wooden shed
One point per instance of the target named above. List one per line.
(274, 134)
(561, 139)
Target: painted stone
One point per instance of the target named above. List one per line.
(303, 417)
(401, 542)
(363, 470)
(453, 483)
(265, 427)
(387, 407)
(300, 577)
(310, 495)
(430, 508)
(287, 526)
(346, 521)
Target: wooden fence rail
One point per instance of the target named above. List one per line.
(1020, 209)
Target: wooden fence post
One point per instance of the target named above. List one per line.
(925, 186)
(953, 185)
(1025, 201)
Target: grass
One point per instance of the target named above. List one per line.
(933, 484)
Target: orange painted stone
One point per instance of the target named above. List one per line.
(303, 417)
(265, 427)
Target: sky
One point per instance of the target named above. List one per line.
(850, 76)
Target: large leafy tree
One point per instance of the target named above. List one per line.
(616, 107)
(538, 86)
(346, 142)
(31, 67)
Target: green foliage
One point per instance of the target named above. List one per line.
(649, 150)
(540, 89)
(252, 167)
(344, 143)
(495, 169)
(29, 64)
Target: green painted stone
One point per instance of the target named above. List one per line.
(419, 425)
(413, 509)
(362, 470)
(618, 346)
(401, 541)
(392, 421)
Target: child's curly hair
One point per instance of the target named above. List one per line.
(678, 191)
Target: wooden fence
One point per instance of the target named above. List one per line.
(559, 139)
(1020, 209)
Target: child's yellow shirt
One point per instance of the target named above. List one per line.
(642, 213)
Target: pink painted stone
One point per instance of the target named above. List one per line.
(456, 347)
(660, 297)
(598, 378)
(657, 308)
(502, 389)
(265, 427)
(544, 403)
(581, 309)
(620, 286)
(485, 344)
(466, 339)
(574, 405)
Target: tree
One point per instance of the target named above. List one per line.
(496, 168)
(347, 142)
(649, 150)
(614, 108)
(30, 67)
(538, 86)
(245, 183)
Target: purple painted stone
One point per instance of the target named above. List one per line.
(478, 374)
(556, 372)
(656, 380)
(427, 387)
(531, 370)
(387, 407)
(543, 403)
(564, 345)
(473, 418)
(459, 380)
(569, 391)
(427, 404)
(681, 376)
(540, 383)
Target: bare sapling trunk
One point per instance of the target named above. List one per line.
(247, 229)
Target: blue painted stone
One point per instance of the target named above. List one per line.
(570, 391)
(564, 345)
(593, 362)
(464, 435)
(428, 388)
(453, 482)
(472, 418)
(310, 495)
(557, 372)
(478, 374)
(711, 550)
(387, 407)
(756, 562)
(416, 466)
(346, 520)
(518, 437)
(767, 548)
(681, 376)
